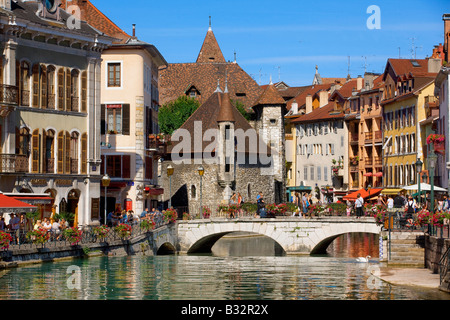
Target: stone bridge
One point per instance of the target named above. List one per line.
(294, 235)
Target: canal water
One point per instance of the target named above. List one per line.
(333, 276)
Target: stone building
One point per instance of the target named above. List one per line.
(205, 80)
(50, 108)
(233, 154)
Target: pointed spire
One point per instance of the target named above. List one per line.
(271, 82)
(226, 109)
(210, 51)
(226, 82)
(218, 87)
(209, 29)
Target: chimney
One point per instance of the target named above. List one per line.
(434, 65)
(359, 83)
(323, 98)
(294, 107)
(134, 30)
(309, 107)
(446, 18)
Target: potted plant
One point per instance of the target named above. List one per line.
(186, 216)
(148, 225)
(206, 212)
(38, 236)
(170, 215)
(5, 240)
(123, 231)
(73, 235)
(101, 232)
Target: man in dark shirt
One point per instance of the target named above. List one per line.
(399, 201)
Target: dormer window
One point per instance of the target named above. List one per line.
(241, 94)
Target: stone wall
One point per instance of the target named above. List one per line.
(186, 178)
(435, 248)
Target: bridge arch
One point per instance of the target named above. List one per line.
(166, 248)
(205, 244)
(295, 236)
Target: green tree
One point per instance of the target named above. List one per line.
(241, 108)
(172, 115)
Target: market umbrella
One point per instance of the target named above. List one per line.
(423, 187)
(8, 204)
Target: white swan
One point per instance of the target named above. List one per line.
(362, 259)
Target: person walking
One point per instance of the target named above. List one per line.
(240, 201)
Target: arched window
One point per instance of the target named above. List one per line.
(23, 142)
(193, 192)
(48, 146)
(43, 86)
(24, 84)
(35, 86)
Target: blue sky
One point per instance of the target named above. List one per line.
(287, 39)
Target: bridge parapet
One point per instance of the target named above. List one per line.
(294, 235)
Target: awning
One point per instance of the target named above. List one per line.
(364, 194)
(299, 188)
(154, 191)
(368, 174)
(391, 191)
(378, 174)
(8, 204)
(424, 187)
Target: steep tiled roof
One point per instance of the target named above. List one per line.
(210, 51)
(320, 114)
(204, 76)
(98, 20)
(405, 66)
(208, 115)
(346, 90)
(226, 113)
(270, 96)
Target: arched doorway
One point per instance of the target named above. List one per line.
(72, 204)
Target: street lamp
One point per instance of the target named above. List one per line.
(418, 170)
(170, 170)
(432, 159)
(201, 172)
(106, 180)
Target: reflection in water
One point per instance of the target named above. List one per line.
(200, 277)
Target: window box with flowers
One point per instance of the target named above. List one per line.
(354, 161)
(438, 141)
(101, 232)
(38, 236)
(123, 231)
(170, 215)
(206, 212)
(337, 168)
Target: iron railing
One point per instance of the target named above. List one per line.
(57, 239)
(444, 266)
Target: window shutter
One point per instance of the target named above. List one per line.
(61, 152)
(84, 153)
(126, 163)
(61, 78)
(103, 119)
(149, 168)
(36, 86)
(35, 153)
(43, 81)
(126, 119)
(84, 91)
(332, 149)
(67, 153)
(68, 90)
(44, 150)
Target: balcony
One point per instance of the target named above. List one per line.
(12, 163)
(368, 162)
(9, 95)
(73, 166)
(157, 144)
(50, 166)
(354, 138)
(368, 136)
(378, 136)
